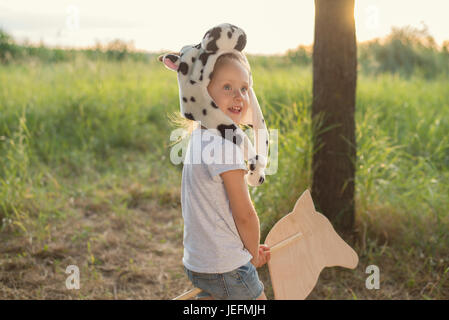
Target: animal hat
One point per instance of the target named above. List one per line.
(194, 65)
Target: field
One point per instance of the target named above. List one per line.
(86, 180)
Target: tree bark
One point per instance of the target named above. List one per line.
(334, 88)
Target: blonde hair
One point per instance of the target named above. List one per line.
(227, 57)
(190, 125)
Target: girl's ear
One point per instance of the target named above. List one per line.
(170, 60)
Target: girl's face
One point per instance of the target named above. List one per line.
(229, 89)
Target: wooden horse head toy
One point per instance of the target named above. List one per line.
(303, 243)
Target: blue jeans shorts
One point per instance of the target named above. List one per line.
(240, 284)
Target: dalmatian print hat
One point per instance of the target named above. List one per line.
(194, 65)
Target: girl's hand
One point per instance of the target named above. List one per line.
(264, 256)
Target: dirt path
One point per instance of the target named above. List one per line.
(136, 255)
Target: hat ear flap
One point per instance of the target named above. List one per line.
(248, 117)
(171, 61)
(255, 118)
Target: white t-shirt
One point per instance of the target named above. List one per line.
(212, 243)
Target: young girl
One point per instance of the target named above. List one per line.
(221, 226)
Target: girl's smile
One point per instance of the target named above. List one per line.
(235, 109)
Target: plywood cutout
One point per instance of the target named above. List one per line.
(305, 243)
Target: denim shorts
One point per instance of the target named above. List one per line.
(240, 284)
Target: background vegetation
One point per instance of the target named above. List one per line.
(85, 169)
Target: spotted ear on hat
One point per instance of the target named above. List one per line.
(171, 61)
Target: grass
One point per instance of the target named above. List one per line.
(85, 178)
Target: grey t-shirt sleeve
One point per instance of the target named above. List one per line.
(226, 156)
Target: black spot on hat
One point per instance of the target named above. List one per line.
(214, 105)
(215, 35)
(201, 78)
(237, 140)
(192, 99)
(183, 68)
(204, 111)
(184, 99)
(189, 116)
(224, 130)
(252, 167)
(267, 142)
(192, 82)
(229, 34)
(204, 56)
(193, 59)
(261, 180)
(223, 127)
(241, 43)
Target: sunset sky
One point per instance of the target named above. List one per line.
(272, 26)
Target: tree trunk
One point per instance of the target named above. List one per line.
(334, 85)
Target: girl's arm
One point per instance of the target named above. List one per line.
(243, 212)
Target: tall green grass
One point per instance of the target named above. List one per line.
(402, 146)
(73, 120)
(403, 156)
(69, 122)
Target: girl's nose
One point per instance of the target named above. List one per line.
(237, 94)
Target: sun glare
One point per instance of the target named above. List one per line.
(272, 26)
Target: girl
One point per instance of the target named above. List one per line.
(221, 226)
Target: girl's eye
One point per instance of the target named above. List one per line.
(245, 89)
(227, 86)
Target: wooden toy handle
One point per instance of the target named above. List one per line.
(285, 242)
(189, 294)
